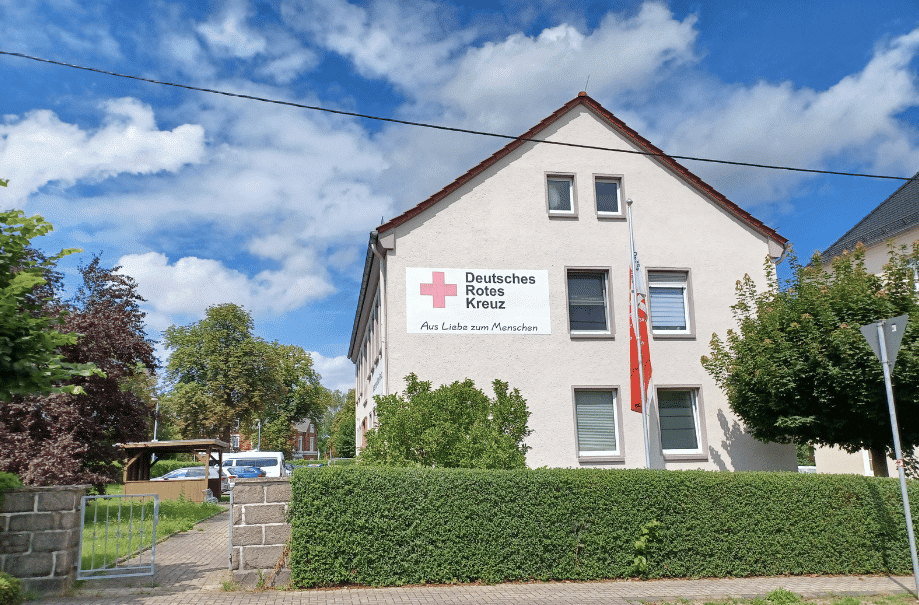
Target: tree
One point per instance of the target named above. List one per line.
(70, 438)
(29, 358)
(222, 374)
(800, 370)
(332, 403)
(341, 441)
(455, 425)
(219, 372)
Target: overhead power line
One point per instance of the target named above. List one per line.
(454, 129)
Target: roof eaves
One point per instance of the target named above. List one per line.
(368, 264)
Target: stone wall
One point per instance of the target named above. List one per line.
(260, 530)
(40, 536)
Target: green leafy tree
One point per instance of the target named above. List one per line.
(341, 442)
(332, 403)
(30, 360)
(222, 374)
(799, 370)
(455, 425)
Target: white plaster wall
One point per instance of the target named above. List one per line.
(499, 220)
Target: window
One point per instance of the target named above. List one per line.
(669, 300)
(679, 420)
(588, 302)
(915, 266)
(312, 443)
(606, 191)
(560, 191)
(597, 422)
(234, 442)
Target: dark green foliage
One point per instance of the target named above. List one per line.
(161, 467)
(805, 454)
(378, 525)
(10, 590)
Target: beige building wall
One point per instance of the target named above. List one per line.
(499, 220)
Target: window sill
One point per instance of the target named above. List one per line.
(589, 336)
(611, 217)
(688, 457)
(601, 459)
(563, 215)
(657, 336)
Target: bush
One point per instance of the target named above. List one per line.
(10, 589)
(161, 467)
(356, 525)
(8, 481)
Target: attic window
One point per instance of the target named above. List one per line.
(560, 194)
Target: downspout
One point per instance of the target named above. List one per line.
(781, 257)
(383, 315)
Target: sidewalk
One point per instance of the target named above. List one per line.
(191, 567)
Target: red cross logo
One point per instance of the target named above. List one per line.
(439, 290)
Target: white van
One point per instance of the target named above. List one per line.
(270, 462)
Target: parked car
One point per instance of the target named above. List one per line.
(271, 462)
(194, 472)
(240, 472)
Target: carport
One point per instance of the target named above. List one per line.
(138, 460)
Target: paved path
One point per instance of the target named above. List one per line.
(191, 567)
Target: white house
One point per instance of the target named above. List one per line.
(519, 270)
(894, 221)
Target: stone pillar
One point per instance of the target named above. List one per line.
(260, 529)
(40, 536)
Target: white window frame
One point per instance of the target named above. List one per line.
(609, 456)
(686, 286)
(604, 178)
(698, 415)
(561, 176)
(610, 330)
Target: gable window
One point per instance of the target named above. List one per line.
(597, 422)
(679, 421)
(669, 302)
(606, 192)
(588, 302)
(560, 192)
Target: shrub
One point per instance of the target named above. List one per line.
(8, 481)
(10, 590)
(357, 525)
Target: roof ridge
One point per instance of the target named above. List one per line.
(616, 123)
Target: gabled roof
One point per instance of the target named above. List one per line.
(621, 127)
(895, 215)
(618, 125)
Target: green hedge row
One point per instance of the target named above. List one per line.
(390, 526)
(161, 467)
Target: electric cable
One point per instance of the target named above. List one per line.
(455, 129)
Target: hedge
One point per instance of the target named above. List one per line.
(392, 526)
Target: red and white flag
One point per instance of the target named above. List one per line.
(638, 339)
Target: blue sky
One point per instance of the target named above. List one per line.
(206, 199)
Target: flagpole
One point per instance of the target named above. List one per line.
(637, 332)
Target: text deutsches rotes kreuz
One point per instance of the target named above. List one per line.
(486, 297)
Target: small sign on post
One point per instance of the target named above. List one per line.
(884, 337)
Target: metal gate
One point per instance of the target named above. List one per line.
(117, 536)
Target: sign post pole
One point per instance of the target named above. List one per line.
(877, 336)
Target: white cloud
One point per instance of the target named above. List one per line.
(191, 284)
(783, 124)
(337, 372)
(230, 34)
(39, 148)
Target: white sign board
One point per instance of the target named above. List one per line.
(477, 301)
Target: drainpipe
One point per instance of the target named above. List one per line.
(781, 257)
(383, 340)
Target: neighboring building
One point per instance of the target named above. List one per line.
(895, 220)
(532, 246)
(306, 444)
(305, 441)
